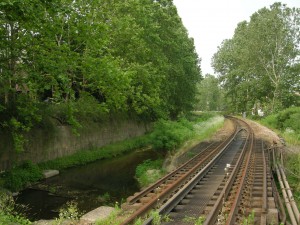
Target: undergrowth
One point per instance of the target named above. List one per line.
(168, 135)
(9, 211)
(286, 123)
(149, 171)
(174, 136)
(20, 176)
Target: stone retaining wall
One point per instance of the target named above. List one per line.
(45, 144)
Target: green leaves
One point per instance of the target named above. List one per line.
(255, 65)
(132, 57)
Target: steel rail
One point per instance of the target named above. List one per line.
(265, 195)
(181, 181)
(234, 207)
(175, 200)
(161, 181)
(211, 218)
(165, 192)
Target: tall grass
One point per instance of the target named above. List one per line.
(287, 124)
(149, 171)
(205, 129)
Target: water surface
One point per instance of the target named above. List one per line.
(103, 182)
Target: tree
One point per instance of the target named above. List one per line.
(130, 57)
(209, 96)
(256, 64)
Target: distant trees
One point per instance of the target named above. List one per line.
(130, 56)
(259, 66)
(209, 95)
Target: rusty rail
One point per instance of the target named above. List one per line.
(170, 189)
(211, 218)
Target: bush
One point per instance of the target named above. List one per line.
(168, 135)
(204, 116)
(287, 119)
(89, 108)
(149, 171)
(20, 176)
(287, 122)
(270, 121)
(8, 211)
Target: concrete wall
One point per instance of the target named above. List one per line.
(47, 144)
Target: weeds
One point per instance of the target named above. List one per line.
(112, 219)
(8, 211)
(195, 220)
(149, 171)
(106, 152)
(168, 135)
(286, 124)
(250, 219)
(158, 219)
(105, 197)
(68, 213)
(20, 176)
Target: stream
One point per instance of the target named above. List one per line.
(103, 182)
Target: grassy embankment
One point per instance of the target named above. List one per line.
(175, 138)
(286, 124)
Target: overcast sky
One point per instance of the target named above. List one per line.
(209, 22)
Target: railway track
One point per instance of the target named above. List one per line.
(226, 183)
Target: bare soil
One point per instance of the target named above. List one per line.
(269, 136)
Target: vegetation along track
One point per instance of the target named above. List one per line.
(226, 183)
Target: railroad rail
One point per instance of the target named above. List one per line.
(225, 183)
(250, 198)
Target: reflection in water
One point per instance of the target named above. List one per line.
(86, 185)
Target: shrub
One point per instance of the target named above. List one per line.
(149, 171)
(168, 135)
(20, 176)
(270, 121)
(287, 119)
(287, 122)
(8, 211)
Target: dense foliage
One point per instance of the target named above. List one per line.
(286, 121)
(21, 176)
(67, 60)
(169, 135)
(209, 94)
(149, 171)
(259, 66)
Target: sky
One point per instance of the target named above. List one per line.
(209, 22)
